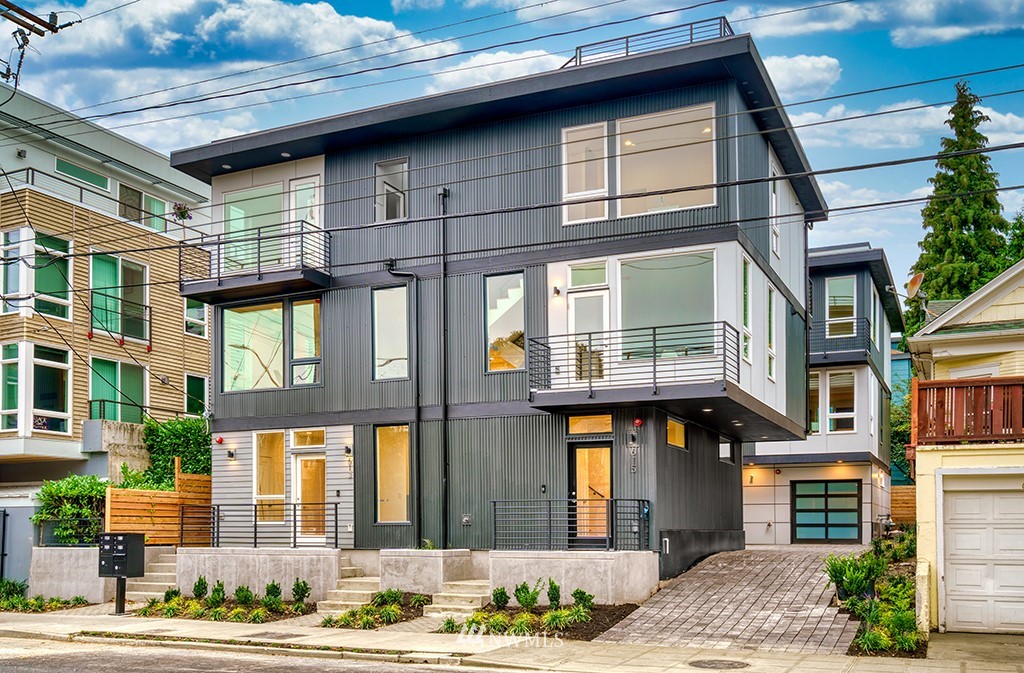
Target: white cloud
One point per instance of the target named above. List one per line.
(406, 5)
(490, 67)
(801, 76)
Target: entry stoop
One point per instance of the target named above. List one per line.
(459, 599)
(352, 590)
(161, 575)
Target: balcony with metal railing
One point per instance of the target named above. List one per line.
(652, 40)
(842, 342)
(263, 261)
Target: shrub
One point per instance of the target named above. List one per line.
(390, 613)
(583, 599)
(427, 543)
(523, 624)
(555, 620)
(419, 601)
(218, 614)
(367, 622)
(238, 615)
(328, 621)
(347, 620)
(142, 480)
(171, 610)
(578, 614)
(272, 604)
(300, 590)
(200, 588)
(906, 642)
(196, 611)
(272, 590)
(188, 438)
(527, 597)
(899, 621)
(258, 616)
(145, 611)
(12, 589)
(76, 504)
(450, 626)
(477, 619)
(217, 596)
(872, 640)
(500, 598)
(171, 594)
(387, 597)
(78, 601)
(554, 594)
(244, 596)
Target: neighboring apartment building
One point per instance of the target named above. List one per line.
(520, 374)
(967, 432)
(84, 334)
(834, 486)
(899, 383)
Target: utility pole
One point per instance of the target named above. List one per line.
(27, 22)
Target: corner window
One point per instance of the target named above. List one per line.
(390, 190)
(840, 307)
(651, 150)
(506, 322)
(253, 345)
(9, 382)
(118, 295)
(195, 395)
(52, 276)
(771, 333)
(728, 450)
(117, 391)
(814, 403)
(874, 328)
(590, 425)
(393, 475)
(81, 174)
(748, 311)
(269, 477)
(195, 318)
(51, 375)
(584, 172)
(676, 433)
(841, 402)
(137, 206)
(390, 333)
(11, 252)
(305, 360)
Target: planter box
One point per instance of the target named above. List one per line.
(256, 568)
(66, 572)
(424, 570)
(614, 577)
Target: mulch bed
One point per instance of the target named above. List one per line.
(920, 653)
(602, 618)
(408, 612)
(229, 605)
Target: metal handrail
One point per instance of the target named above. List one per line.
(652, 40)
(265, 524)
(127, 312)
(575, 523)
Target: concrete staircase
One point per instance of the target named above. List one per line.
(161, 575)
(353, 590)
(459, 599)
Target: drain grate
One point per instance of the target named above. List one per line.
(719, 664)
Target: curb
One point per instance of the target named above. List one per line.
(35, 635)
(469, 662)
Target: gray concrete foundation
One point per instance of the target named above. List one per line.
(66, 572)
(613, 577)
(424, 570)
(256, 568)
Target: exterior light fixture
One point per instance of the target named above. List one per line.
(231, 455)
(638, 422)
(226, 167)
(555, 292)
(708, 410)
(286, 155)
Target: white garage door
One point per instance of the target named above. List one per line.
(984, 561)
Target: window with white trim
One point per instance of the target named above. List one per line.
(840, 306)
(841, 402)
(268, 476)
(773, 213)
(390, 333)
(196, 388)
(771, 333)
(393, 473)
(51, 399)
(196, 317)
(584, 172)
(9, 381)
(118, 297)
(814, 402)
(10, 252)
(52, 276)
(872, 407)
(391, 189)
(748, 311)
(876, 310)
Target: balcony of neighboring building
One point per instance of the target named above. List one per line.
(967, 411)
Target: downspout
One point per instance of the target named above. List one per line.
(414, 370)
(442, 204)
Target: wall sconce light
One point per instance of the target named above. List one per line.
(556, 292)
(231, 454)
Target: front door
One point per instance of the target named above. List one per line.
(590, 492)
(312, 494)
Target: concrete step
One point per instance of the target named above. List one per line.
(438, 610)
(142, 596)
(357, 583)
(346, 572)
(163, 578)
(161, 567)
(336, 606)
(166, 558)
(472, 587)
(360, 597)
(148, 587)
(469, 600)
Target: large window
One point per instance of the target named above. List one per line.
(253, 345)
(814, 403)
(390, 333)
(137, 206)
(585, 172)
(748, 311)
(664, 152)
(11, 251)
(195, 395)
(840, 307)
(9, 404)
(305, 362)
(51, 375)
(195, 317)
(391, 185)
(269, 477)
(52, 276)
(250, 214)
(506, 322)
(841, 402)
(117, 391)
(393, 474)
(82, 174)
(119, 297)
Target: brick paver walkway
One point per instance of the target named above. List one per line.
(766, 598)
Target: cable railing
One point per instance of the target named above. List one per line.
(636, 357)
(263, 524)
(652, 40)
(123, 317)
(580, 524)
(275, 247)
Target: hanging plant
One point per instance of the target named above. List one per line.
(181, 212)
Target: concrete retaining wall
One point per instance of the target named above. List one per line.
(256, 568)
(66, 572)
(923, 597)
(686, 547)
(614, 577)
(424, 570)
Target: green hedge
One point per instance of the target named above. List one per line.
(77, 502)
(188, 438)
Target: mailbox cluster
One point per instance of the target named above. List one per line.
(122, 555)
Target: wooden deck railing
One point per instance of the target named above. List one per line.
(157, 514)
(967, 410)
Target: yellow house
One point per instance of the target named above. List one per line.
(968, 442)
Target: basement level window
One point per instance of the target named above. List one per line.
(590, 425)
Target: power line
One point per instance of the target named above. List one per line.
(108, 11)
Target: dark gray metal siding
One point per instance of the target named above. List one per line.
(751, 162)
(796, 367)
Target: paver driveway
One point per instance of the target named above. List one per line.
(764, 598)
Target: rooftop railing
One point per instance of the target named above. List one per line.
(652, 40)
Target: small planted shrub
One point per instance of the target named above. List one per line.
(328, 621)
(171, 594)
(500, 598)
(498, 623)
(523, 625)
(197, 611)
(300, 590)
(906, 642)
(477, 620)
(387, 597)
(258, 616)
(583, 599)
(12, 589)
(217, 614)
(367, 622)
(145, 611)
(272, 604)
(450, 625)
(272, 590)
(244, 596)
(78, 601)
(217, 596)
(578, 614)
(200, 588)
(171, 610)
(872, 640)
(419, 601)
(555, 620)
(237, 615)
(390, 613)
(554, 594)
(527, 597)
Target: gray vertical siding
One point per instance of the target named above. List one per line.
(796, 367)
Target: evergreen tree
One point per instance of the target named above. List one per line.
(965, 240)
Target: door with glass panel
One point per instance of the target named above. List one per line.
(305, 245)
(590, 493)
(311, 493)
(588, 325)
(826, 511)
(252, 230)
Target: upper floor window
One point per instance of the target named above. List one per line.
(195, 317)
(82, 174)
(9, 403)
(52, 276)
(305, 362)
(771, 333)
(748, 311)
(119, 297)
(665, 152)
(506, 322)
(773, 212)
(391, 185)
(117, 391)
(390, 333)
(585, 172)
(253, 348)
(841, 402)
(840, 307)
(137, 206)
(590, 274)
(195, 394)
(875, 326)
(11, 251)
(51, 399)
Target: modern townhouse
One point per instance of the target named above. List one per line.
(86, 334)
(834, 486)
(535, 315)
(966, 440)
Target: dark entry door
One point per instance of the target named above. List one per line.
(590, 493)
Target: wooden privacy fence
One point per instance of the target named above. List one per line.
(904, 504)
(967, 410)
(157, 514)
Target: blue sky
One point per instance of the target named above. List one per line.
(155, 44)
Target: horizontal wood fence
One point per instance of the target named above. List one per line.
(904, 504)
(967, 410)
(157, 514)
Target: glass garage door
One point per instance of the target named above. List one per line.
(826, 511)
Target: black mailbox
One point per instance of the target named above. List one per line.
(122, 555)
